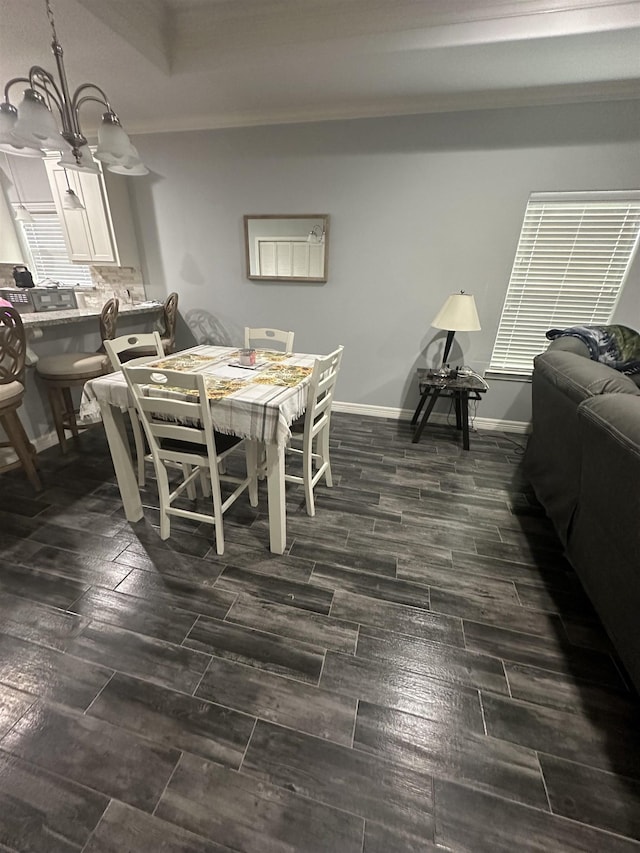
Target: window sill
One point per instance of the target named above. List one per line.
(507, 377)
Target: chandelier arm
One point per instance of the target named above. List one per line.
(11, 82)
(90, 98)
(78, 103)
(43, 91)
(76, 100)
(40, 78)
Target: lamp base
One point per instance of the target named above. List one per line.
(447, 346)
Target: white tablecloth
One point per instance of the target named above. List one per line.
(263, 412)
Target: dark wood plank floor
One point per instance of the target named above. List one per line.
(420, 671)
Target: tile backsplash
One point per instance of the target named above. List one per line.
(6, 275)
(123, 282)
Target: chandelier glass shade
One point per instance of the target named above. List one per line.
(32, 127)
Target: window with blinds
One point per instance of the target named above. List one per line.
(48, 251)
(573, 256)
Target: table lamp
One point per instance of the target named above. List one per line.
(458, 314)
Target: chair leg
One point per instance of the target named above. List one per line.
(307, 476)
(138, 440)
(22, 446)
(163, 496)
(262, 461)
(324, 453)
(217, 514)
(191, 488)
(253, 449)
(56, 402)
(71, 415)
(205, 482)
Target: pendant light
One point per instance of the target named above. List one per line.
(71, 200)
(21, 213)
(27, 130)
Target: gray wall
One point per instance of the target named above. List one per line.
(420, 207)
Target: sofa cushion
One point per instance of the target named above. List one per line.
(70, 365)
(580, 378)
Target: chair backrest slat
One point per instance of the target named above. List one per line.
(133, 343)
(108, 321)
(321, 387)
(13, 346)
(255, 337)
(170, 317)
(164, 416)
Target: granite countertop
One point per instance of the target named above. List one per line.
(76, 315)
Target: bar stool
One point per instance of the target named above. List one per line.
(12, 354)
(61, 373)
(167, 336)
(170, 316)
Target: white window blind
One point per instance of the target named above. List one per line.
(573, 256)
(48, 251)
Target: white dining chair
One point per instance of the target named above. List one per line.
(256, 338)
(180, 431)
(150, 345)
(312, 430)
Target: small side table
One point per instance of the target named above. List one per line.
(461, 388)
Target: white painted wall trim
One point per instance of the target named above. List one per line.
(521, 427)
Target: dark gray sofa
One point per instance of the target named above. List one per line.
(583, 461)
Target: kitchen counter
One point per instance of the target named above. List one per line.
(40, 319)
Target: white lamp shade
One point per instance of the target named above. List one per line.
(132, 165)
(8, 119)
(71, 201)
(458, 314)
(20, 149)
(109, 159)
(86, 164)
(36, 124)
(134, 169)
(129, 158)
(112, 142)
(8, 142)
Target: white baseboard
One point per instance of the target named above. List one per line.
(50, 438)
(45, 441)
(521, 427)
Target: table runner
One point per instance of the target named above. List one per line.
(259, 404)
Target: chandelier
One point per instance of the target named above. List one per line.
(31, 128)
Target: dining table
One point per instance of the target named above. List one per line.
(257, 402)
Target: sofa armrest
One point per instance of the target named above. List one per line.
(561, 382)
(566, 343)
(604, 539)
(580, 378)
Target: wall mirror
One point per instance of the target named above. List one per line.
(287, 247)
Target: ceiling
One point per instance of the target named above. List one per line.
(192, 64)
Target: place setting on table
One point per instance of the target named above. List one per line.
(254, 394)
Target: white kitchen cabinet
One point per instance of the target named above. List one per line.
(10, 249)
(102, 233)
